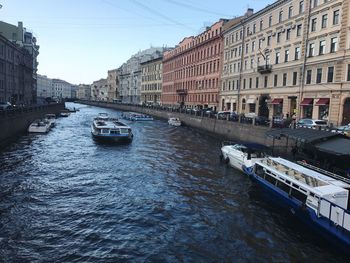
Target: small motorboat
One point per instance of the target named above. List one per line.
(64, 113)
(242, 155)
(51, 118)
(174, 121)
(39, 126)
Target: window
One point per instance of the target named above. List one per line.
(348, 76)
(311, 49)
(244, 83)
(308, 76)
(284, 79)
(288, 34)
(266, 79)
(315, 3)
(260, 43)
(270, 21)
(254, 28)
(301, 7)
(250, 83)
(330, 74)
(286, 55)
(290, 12)
(313, 24)
(299, 30)
(257, 82)
(280, 16)
(334, 46)
(275, 80)
(322, 47)
(268, 40)
(253, 46)
(246, 48)
(319, 75)
(261, 25)
(277, 58)
(297, 53)
(324, 21)
(336, 17)
(278, 37)
(295, 78)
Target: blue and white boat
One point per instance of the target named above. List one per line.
(135, 116)
(109, 129)
(319, 200)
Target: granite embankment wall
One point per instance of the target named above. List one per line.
(16, 122)
(221, 128)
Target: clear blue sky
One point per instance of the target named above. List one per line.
(81, 39)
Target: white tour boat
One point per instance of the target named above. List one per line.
(51, 118)
(319, 199)
(240, 155)
(174, 121)
(39, 126)
(110, 129)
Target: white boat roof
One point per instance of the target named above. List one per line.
(109, 123)
(310, 179)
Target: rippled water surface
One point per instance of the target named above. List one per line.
(163, 198)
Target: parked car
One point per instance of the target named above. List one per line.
(5, 105)
(345, 130)
(222, 115)
(279, 122)
(310, 123)
(262, 120)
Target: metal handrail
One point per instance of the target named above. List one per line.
(330, 174)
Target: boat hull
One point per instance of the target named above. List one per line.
(114, 138)
(340, 238)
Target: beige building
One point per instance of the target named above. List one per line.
(292, 57)
(151, 80)
(99, 90)
(83, 92)
(113, 83)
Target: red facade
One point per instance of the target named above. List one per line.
(191, 71)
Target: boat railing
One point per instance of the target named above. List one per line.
(333, 212)
(320, 170)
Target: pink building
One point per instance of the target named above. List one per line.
(191, 71)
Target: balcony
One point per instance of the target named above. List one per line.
(182, 92)
(265, 69)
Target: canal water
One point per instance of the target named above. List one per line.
(163, 198)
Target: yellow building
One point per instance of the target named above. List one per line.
(291, 57)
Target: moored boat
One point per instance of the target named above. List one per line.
(39, 126)
(64, 113)
(135, 116)
(174, 121)
(51, 118)
(320, 201)
(109, 129)
(242, 155)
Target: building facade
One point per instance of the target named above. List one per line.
(84, 92)
(151, 80)
(191, 71)
(130, 75)
(113, 84)
(44, 88)
(16, 78)
(290, 58)
(99, 90)
(61, 89)
(25, 40)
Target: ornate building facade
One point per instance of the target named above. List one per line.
(191, 71)
(290, 58)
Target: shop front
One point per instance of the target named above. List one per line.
(323, 108)
(307, 107)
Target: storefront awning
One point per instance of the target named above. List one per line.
(322, 101)
(306, 102)
(251, 101)
(277, 101)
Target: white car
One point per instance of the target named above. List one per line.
(310, 123)
(5, 105)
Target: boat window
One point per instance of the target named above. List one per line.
(283, 186)
(270, 179)
(259, 170)
(104, 130)
(298, 195)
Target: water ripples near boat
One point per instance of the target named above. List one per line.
(165, 197)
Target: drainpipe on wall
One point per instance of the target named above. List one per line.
(303, 69)
(240, 70)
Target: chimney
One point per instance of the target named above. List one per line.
(250, 11)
